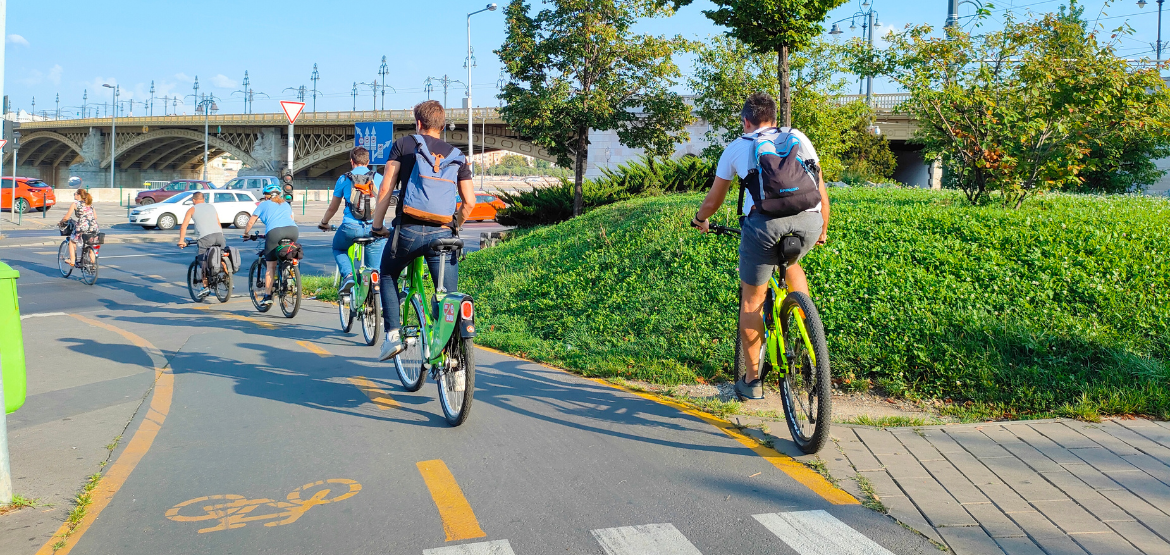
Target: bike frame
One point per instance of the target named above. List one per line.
(361, 287)
(435, 334)
(774, 342)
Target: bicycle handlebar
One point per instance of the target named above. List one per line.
(255, 236)
(724, 230)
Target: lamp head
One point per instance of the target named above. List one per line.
(1142, 3)
(836, 30)
(492, 6)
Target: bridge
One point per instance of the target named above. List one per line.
(168, 147)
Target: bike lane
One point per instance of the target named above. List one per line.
(291, 438)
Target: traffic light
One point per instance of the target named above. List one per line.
(286, 184)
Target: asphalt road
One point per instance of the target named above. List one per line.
(270, 435)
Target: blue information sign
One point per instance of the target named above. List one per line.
(376, 137)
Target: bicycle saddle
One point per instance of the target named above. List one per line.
(364, 240)
(286, 241)
(446, 244)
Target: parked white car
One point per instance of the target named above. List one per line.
(234, 208)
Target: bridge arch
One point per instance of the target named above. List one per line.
(165, 147)
(46, 147)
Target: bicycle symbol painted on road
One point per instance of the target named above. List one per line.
(236, 511)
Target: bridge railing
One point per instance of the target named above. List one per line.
(881, 102)
(406, 117)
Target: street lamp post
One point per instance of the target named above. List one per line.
(470, 123)
(1158, 46)
(206, 105)
(114, 128)
(383, 72)
(868, 24)
(314, 78)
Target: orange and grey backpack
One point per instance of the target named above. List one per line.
(361, 191)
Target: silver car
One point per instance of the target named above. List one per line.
(253, 184)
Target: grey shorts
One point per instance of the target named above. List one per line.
(208, 241)
(759, 248)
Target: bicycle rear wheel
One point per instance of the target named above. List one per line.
(89, 265)
(457, 379)
(345, 313)
(371, 318)
(195, 281)
(223, 287)
(806, 387)
(62, 256)
(256, 284)
(290, 297)
(409, 363)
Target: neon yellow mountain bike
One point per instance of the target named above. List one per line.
(797, 351)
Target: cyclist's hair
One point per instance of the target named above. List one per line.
(359, 155)
(759, 108)
(197, 196)
(430, 114)
(85, 197)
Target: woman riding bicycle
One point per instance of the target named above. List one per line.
(277, 217)
(83, 216)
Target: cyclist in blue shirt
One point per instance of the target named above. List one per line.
(277, 217)
(353, 226)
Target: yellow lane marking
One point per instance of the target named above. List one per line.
(234, 316)
(793, 468)
(375, 393)
(458, 520)
(160, 405)
(234, 511)
(314, 349)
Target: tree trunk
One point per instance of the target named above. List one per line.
(582, 155)
(784, 103)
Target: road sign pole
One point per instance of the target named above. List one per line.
(5, 470)
(290, 147)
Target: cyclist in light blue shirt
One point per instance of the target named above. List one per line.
(277, 217)
(353, 226)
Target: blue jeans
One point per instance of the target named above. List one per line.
(413, 242)
(344, 238)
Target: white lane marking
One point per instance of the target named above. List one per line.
(498, 547)
(819, 533)
(647, 539)
(41, 314)
(128, 255)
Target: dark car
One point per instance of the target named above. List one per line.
(171, 189)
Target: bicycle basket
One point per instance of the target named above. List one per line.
(95, 238)
(66, 228)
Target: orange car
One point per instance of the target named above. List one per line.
(30, 193)
(485, 207)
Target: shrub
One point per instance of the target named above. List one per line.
(1061, 307)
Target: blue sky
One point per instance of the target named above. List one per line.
(75, 46)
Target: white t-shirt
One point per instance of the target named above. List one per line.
(740, 157)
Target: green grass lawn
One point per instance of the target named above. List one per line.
(1060, 308)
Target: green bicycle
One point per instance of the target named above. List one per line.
(797, 351)
(362, 301)
(442, 347)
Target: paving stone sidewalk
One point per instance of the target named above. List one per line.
(1034, 487)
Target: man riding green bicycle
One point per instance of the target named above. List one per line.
(762, 230)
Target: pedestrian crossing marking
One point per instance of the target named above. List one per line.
(459, 520)
(819, 533)
(647, 539)
(377, 396)
(498, 547)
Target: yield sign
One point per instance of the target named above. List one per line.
(3, 142)
(292, 109)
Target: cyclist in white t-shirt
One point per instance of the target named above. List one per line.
(759, 242)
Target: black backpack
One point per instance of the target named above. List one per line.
(361, 191)
(212, 260)
(781, 184)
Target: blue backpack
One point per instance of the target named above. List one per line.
(430, 194)
(782, 184)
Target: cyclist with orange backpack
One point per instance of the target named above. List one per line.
(358, 189)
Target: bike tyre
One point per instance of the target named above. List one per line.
(89, 270)
(818, 376)
(194, 282)
(409, 363)
(290, 301)
(457, 404)
(371, 318)
(223, 288)
(255, 283)
(62, 256)
(345, 314)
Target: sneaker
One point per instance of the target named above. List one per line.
(753, 390)
(391, 345)
(346, 286)
(203, 293)
(266, 300)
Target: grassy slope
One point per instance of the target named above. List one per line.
(1061, 307)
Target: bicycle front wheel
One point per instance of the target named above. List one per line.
(256, 284)
(89, 266)
(194, 281)
(409, 363)
(371, 318)
(806, 387)
(62, 256)
(345, 314)
(457, 379)
(290, 295)
(223, 287)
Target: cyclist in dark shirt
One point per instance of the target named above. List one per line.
(415, 235)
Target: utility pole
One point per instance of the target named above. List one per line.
(151, 109)
(383, 72)
(247, 97)
(196, 88)
(58, 116)
(952, 13)
(114, 127)
(84, 101)
(354, 93)
(314, 78)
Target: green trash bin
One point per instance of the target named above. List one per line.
(11, 341)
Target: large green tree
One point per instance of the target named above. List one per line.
(777, 27)
(577, 65)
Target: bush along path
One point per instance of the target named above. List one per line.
(1060, 308)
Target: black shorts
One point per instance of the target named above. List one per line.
(273, 237)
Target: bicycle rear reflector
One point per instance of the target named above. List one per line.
(467, 310)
